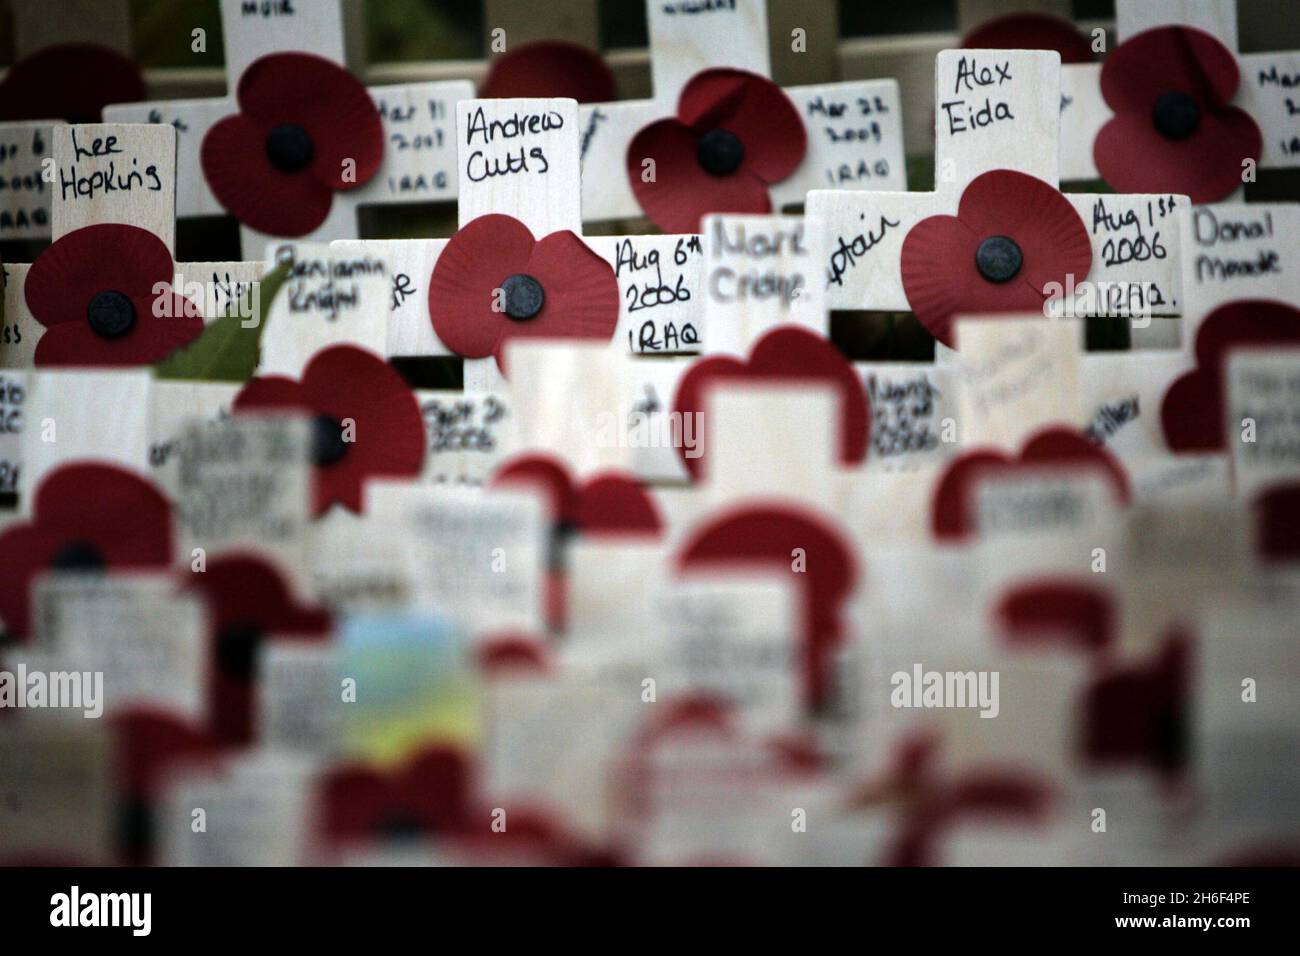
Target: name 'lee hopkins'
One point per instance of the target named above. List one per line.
(927, 689)
(75, 690)
(75, 908)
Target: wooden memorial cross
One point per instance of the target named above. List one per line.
(418, 151)
(1237, 251)
(1269, 90)
(139, 162)
(761, 272)
(142, 156)
(1231, 252)
(520, 158)
(1000, 110)
(854, 129)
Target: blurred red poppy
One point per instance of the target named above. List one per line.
(609, 504)
(249, 602)
(1174, 128)
(768, 535)
(429, 795)
(1192, 412)
(149, 746)
(734, 135)
(69, 81)
(1078, 616)
(94, 291)
(550, 68)
(306, 127)
(1276, 512)
(85, 517)
(785, 354)
(366, 421)
(1013, 237)
(952, 515)
(494, 282)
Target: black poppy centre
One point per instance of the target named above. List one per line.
(999, 258)
(1176, 115)
(328, 444)
(77, 555)
(110, 314)
(523, 297)
(238, 645)
(720, 152)
(289, 148)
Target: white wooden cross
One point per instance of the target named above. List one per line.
(855, 138)
(140, 158)
(79, 199)
(1235, 251)
(137, 150)
(760, 273)
(658, 276)
(1230, 252)
(419, 155)
(1000, 109)
(1269, 90)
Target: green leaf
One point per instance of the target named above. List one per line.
(227, 350)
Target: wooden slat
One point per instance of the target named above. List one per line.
(40, 23)
(527, 20)
(908, 58)
(971, 13)
(820, 21)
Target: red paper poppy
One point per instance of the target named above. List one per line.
(610, 503)
(249, 602)
(550, 68)
(1001, 793)
(1174, 130)
(1136, 714)
(1031, 31)
(535, 837)
(430, 795)
(1192, 412)
(734, 135)
(1013, 237)
(84, 517)
(1277, 518)
(93, 290)
(952, 517)
(1081, 614)
(69, 81)
(341, 385)
(606, 505)
(149, 746)
(783, 355)
(305, 128)
(513, 654)
(694, 717)
(495, 282)
(767, 536)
